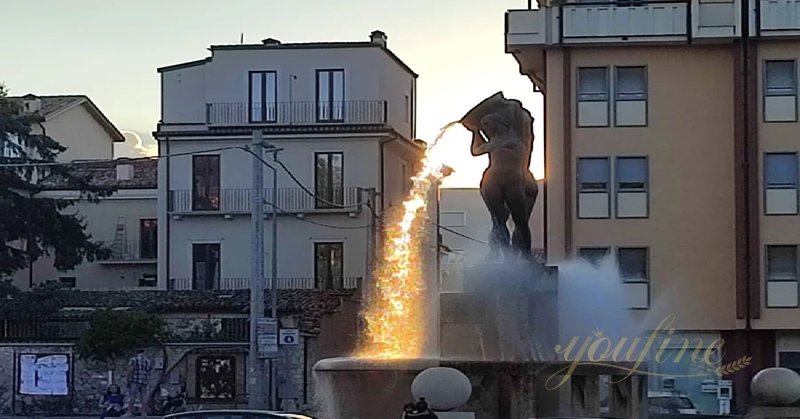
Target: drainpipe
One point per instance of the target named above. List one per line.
(382, 175)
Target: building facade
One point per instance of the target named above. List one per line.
(341, 114)
(669, 148)
(125, 222)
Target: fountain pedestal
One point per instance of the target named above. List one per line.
(504, 311)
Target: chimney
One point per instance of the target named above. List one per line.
(31, 103)
(270, 42)
(124, 171)
(378, 38)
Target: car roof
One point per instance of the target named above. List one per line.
(224, 412)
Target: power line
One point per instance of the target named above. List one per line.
(95, 161)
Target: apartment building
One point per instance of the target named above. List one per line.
(670, 148)
(342, 115)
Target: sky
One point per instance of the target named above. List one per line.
(110, 49)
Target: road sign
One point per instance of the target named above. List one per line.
(267, 335)
(289, 337)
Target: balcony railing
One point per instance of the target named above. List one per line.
(131, 251)
(291, 200)
(624, 19)
(779, 17)
(303, 283)
(297, 113)
(39, 330)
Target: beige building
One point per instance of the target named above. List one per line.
(343, 115)
(125, 222)
(76, 123)
(670, 146)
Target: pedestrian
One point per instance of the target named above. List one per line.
(138, 378)
(112, 403)
(424, 410)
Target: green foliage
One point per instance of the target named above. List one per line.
(116, 333)
(33, 226)
(42, 301)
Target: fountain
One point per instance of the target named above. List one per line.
(499, 330)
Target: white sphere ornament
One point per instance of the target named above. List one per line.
(443, 388)
(775, 387)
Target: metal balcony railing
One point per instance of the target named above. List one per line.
(297, 113)
(39, 330)
(301, 283)
(290, 200)
(131, 250)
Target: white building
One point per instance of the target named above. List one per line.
(343, 115)
(125, 222)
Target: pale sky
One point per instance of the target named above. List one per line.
(110, 49)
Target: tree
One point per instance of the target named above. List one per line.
(115, 333)
(32, 226)
(41, 301)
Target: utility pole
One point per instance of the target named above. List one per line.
(273, 382)
(255, 388)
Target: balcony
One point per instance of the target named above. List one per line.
(604, 22)
(130, 251)
(779, 17)
(289, 200)
(187, 284)
(359, 112)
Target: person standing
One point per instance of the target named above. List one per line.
(138, 377)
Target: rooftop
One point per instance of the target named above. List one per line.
(104, 174)
(52, 105)
(274, 44)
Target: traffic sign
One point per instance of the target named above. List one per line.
(289, 337)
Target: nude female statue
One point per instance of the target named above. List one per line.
(507, 186)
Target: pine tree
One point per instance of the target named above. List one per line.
(32, 226)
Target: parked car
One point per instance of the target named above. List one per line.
(670, 403)
(235, 414)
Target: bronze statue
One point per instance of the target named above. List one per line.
(507, 186)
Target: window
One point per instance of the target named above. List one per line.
(789, 359)
(67, 281)
(263, 96)
(780, 91)
(593, 187)
(632, 187)
(330, 95)
(782, 276)
(205, 266)
(148, 238)
(329, 180)
(205, 183)
(633, 267)
(593, 97)
(780, 179)
(407, 108)
(328, 265)
(630, 99)
(216, 378)
(594, 255)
